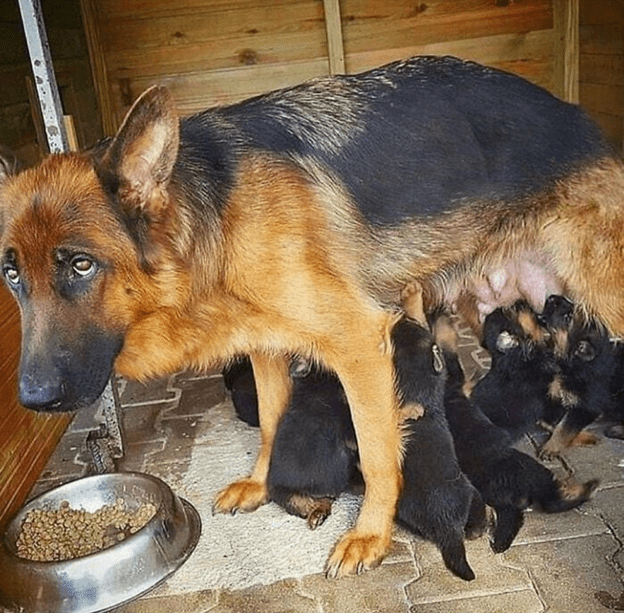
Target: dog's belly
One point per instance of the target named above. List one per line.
(524, 277)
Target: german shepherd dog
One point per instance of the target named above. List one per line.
(288, 224)
(582, 389)
(514, 393)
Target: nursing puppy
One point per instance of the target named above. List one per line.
(514, 393)
(315, 455)
(582, 389)
(509, 481)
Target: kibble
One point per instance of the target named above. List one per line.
(66, 534)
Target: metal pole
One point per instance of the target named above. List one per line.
(43, 72)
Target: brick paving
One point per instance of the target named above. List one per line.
(565, 563)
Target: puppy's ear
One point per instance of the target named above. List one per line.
(139, 161)
(506, 341)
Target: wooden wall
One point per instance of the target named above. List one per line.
(219, 51)
(26, 438)
(602, 64)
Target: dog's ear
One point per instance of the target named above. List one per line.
(138, 163)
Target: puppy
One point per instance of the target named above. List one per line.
(438, 502)
(239, 381)
(509, 481)
(581, 390)
(315, 455)
(513, 394)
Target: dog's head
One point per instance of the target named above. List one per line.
(81, 248)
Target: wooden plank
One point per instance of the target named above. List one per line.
(148, 9)
(604, 38)
(603, 98)
(602, 69)
(197, 91)
(26, 438)
(92, 23)
(216, 55)
(193, 26)
(335, 45)
(370, 25)
(595, 12)
(566, 49)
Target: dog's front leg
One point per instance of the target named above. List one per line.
(273, 385)
(368, 379)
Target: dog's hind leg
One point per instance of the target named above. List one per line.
(509, 520)
(454, 554)
(273, 386)
(566, 431)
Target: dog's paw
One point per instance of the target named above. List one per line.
(321, 511)
(355, 552)
(412, 301)
(551, 450)
(243, 495)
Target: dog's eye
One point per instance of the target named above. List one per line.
(83, 267)
(12, 275)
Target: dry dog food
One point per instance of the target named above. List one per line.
(68, 533)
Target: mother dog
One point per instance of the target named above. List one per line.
(289, 223)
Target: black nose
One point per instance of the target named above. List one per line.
(41, 393)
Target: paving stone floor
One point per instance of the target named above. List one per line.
(566, 563)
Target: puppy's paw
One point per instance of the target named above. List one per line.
(355, 552)
(243, 495)
(551, 450)
(412, 301)
(320, 512)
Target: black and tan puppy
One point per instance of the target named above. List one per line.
(509, 481)
(514, 392)
(315, 455)
(581, 390)
(438, 502)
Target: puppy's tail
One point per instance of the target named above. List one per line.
(454, 555)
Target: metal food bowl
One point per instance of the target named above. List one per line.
(107, 578)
